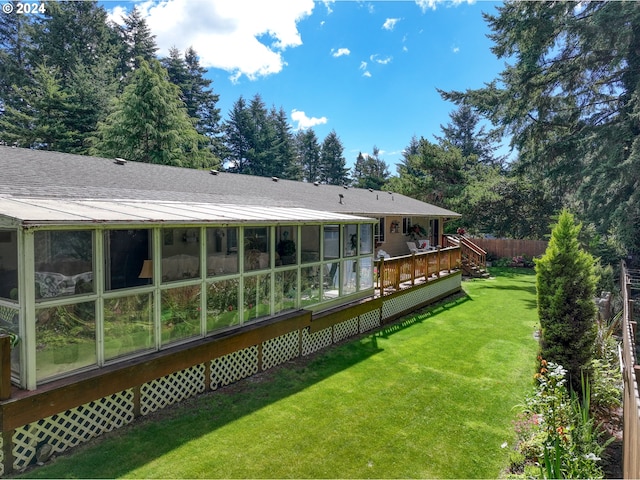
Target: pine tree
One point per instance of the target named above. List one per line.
(150, 123)
(139, 43)
(309, 155)
(565, 282)
(370, 171)
(40, 121)
(15, 66)
(236, 137)
(569, 97)
(332, 161)
(284, 150)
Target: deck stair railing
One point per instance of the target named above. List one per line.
(473, 258)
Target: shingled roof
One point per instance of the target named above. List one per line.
(40, 174)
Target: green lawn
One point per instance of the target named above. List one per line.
(432, 397)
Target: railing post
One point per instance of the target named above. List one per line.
(381, 276)
(413, 268)
(5, 367)
(438, 263)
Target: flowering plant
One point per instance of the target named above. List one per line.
(416, 231)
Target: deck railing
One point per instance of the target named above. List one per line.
(630, 285)
(408, 269)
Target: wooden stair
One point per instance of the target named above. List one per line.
(473, 258)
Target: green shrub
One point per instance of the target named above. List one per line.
(566, 284)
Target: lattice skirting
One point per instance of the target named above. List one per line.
(234, 366)
(280, 349)
(345, 329)
(312, 342)
(417, 296)
(171, 389)
(1, 456)
(369, 320)
(59, 432)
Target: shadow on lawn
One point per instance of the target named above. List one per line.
(199, 416)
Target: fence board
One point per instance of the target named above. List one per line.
(510, 247)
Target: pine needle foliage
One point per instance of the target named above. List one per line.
(565, 281)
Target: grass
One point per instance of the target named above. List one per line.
(431, 397)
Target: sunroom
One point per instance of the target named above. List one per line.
(89, 283)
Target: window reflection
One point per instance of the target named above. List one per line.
(180, 253)
(256, 248)
(128, 325)
(63, 263)
(222, 250)
(125, 254)
(9, 264)
(287, 245)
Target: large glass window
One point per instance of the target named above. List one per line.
(10, 323)
(9, 264)
(366, 273)
(350, 240)
(63, 263)
(256, 248)
(180, 253)
(65, 339)
(310, 243)
(128, 255)
(222, 250)
(331, 280)
(378, 230)
(180, 314)
(310, 280)
(222, 304)
(286, 290)
(287, 245)
(128, 325)
(366, 238)
(331, 242)
(257, 296)
(349, 279)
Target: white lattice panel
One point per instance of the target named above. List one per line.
(419, 295)
(369, 320)
(234, 366)
(70, 428)
(312, 342)
(345, 329)
(1, 456)
(165, 391)
(280, 349)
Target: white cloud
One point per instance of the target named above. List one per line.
(243, 37)
(379, 59)
(455, 49)
(432, 4)
(363, 67)
(340, 52)
(117, 14)
(390, 23)
(304, 122)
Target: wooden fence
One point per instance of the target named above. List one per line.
(509, 247)
(630, 286)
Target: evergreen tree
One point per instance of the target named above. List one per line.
(569, 99)
(237, 141)
(565, 282)
(195, 92)
(284, 150)
(150, 123)
(332, 161)
(139, 43)
(370, 171)
(433, 175)
(463, 133)
(309, 155)
(15, 66)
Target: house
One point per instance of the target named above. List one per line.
(134, 286)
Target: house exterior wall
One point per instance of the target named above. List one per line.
(76, 411)
(395, 239)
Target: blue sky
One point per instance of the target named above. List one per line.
(366, 69)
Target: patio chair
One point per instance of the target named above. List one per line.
(414, 248)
